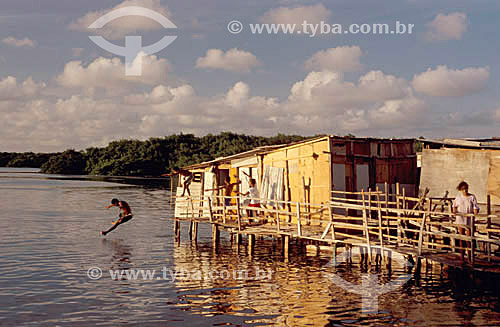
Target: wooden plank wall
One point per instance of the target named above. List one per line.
(304, 164)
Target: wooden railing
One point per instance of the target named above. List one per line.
(370, 218)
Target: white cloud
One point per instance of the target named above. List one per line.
(109, 74)
(123, 26)
(443, 81)
(19, 43)
(10, 88)
(234, 60)
(313, 14)
(447, 27)
(325, 103)
(342, 59)
(326, 88)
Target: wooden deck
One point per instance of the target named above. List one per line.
(370, 220)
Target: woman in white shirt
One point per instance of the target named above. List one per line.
(464, 203)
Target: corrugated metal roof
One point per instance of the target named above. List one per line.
(493, 143)
(271, 148)
(250, 153)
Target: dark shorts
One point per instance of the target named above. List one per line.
(188, 180)
(126, 218)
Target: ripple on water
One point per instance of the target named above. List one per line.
(48, 242)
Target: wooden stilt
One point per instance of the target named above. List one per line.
(215, 233)
(286, 244)
(425, 216)
(191, 226)
(177, 230)
(251, 243)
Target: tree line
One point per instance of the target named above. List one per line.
(144, 158)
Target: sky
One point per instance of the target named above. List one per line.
(60, 90)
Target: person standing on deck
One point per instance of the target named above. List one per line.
(125, 214)
(254, 195)
(464, 203)
(188, 178)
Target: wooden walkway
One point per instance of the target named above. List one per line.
(419, 228)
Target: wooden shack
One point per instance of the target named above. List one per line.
(309, 170)
(447, 162)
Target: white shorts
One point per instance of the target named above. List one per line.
(461, 220)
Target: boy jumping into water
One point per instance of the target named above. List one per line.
(187, 181)
(125, 215)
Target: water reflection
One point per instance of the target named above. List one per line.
(49, 237)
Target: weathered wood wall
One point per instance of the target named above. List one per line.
(443, 169)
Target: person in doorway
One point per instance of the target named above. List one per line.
(464, 203)
(188, 178)
(125, 214)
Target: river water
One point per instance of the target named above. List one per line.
(49, 239)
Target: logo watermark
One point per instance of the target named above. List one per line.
(133, 51)
(172, 275)
(323, 28)
(369, 289)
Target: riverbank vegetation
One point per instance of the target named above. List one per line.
(146, 158)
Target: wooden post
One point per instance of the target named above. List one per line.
(365, 225)
(400, 226)
(191, 226)
(422, 229)
(277, 218)
(488, 226)
(210, 212)
(172, 192)
(215, 233)
(370, 203)
(192, 207)
(251, 242)
(195, 231)
(286, 241)
(404, 200)
(388, 231)
(224, 209)
(177, 230)
(299, 228)
(239, 213)
(472, 232)
(452, 239)
(380, 235)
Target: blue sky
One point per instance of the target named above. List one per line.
(59, 90)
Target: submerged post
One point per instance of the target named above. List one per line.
(215, 233)
(286, 244)
(251, 243)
